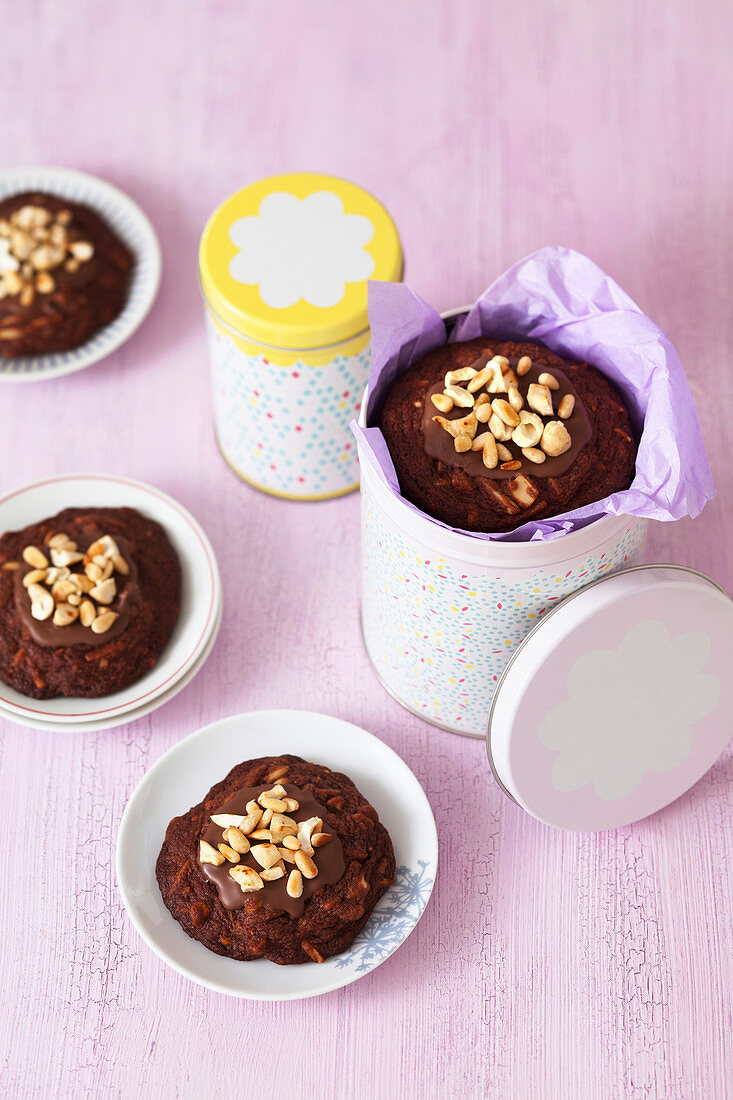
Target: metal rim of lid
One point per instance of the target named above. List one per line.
(274, 347)
(545, 618)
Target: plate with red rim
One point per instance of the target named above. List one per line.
(182, 777)
(200, 592)
(130, 715)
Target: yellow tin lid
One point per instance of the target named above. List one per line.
(286, 260)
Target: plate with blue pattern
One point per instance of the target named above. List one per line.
(181, 778)
(127, 220)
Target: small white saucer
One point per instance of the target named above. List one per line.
(200, 594)
(181, 778)
(128, 716)
(133, 227)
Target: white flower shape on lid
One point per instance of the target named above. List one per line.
(630, 711)
(301, 248)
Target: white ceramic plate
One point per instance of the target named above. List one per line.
(127, 220)
(181, 778)
(128, 716)
(200, 588)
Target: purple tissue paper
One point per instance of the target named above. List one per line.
(559, 298)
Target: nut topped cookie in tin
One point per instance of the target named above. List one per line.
(486, 435)
(282, 860)
(88, 600)
(63, 274)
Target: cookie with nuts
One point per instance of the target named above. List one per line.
(63, 274)
(282, 860)
(88, 600)
(487, 434)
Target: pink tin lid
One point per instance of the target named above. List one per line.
(618, 701)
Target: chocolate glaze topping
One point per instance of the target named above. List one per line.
(127, 598)
(439, 443)
(329, 858)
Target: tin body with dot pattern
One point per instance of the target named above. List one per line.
(284, 266)
(442, 612)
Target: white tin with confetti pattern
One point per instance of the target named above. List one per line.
(284, 266)
(443, 612)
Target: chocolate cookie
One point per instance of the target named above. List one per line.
(88, 600)
(63, 274)
(283, 860)
(486, 435)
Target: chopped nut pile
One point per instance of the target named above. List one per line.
(496, 413)
(280, 840)
(33, 243)
(54, 589)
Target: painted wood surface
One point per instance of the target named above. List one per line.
(547, 965)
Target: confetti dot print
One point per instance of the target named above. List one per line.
(286, 428)
(440, 633)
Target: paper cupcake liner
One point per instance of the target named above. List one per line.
(563, 300)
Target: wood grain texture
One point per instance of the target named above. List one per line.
(547, 965)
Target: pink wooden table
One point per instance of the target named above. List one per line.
(590, 967)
